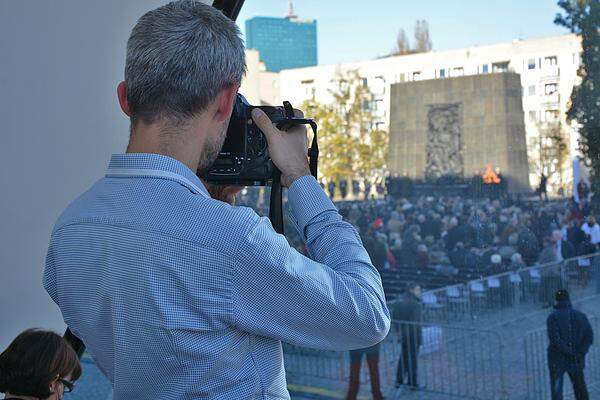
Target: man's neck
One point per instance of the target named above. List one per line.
(151, 139)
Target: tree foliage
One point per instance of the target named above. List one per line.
(422, 40)
(351, 147)
(402, 44)
(583, 18)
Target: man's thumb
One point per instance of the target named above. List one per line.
(263, 122)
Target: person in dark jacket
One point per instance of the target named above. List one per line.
(409, 311)
(570, 337)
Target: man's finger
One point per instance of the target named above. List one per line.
(264, 123)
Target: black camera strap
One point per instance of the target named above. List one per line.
(276, 201)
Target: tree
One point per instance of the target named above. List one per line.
(422, 38)
(351, 147)
(553, 152)
(583, 18)
(402, 44)
(422, 42)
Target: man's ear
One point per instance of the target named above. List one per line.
(225, 100)
(122, 94)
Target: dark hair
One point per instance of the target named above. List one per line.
(33, 360)
(562, 295)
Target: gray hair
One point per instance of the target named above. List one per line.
(179, 56)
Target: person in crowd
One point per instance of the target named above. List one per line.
(516, 262)
(376, 248)
(495, 266)
(570, 336)
(343, 188)
(564, 249)
(592, 229)
(38, 365)
(408, 310)
(410, 247)
(583, 190)
(543, 188)
(585, 263)
(195, 295)
(422, 256)
(528, 244)
(331, 189)
(458, 255)
(575, 233)
(372, 356)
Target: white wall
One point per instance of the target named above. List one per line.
(60, 62)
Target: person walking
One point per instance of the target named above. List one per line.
(372, 355)
(409, 312)
(570, 336)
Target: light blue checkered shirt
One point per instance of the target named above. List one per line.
(180, 296)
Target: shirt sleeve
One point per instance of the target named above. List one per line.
(333, 301)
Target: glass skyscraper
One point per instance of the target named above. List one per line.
(283, 43)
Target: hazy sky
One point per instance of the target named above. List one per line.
(355, 30)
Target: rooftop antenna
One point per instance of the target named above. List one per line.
(291, 13)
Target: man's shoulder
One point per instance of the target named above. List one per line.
(171, 211)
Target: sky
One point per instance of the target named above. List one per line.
(355, 30)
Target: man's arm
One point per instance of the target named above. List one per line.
(588, 336)
(554, 337)
(334, 301)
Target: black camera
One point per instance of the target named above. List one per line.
(244, 159)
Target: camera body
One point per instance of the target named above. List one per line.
(244, 159)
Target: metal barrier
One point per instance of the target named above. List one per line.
(536, 362)
(529, 286)
(453, 361)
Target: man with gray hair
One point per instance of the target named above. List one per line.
(176, 293)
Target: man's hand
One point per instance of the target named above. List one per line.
(222, 192)
(288, 149)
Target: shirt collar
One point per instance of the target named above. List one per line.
(146, 165)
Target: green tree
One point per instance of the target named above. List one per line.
(422, 43)
(351, 147)
(422, 37)
(583, 18)
(402, 45)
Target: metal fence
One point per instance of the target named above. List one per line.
(529, 286)
(538, 377)
(457, 362)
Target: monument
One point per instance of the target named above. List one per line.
(456, 127)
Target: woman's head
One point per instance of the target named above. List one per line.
(37, 364)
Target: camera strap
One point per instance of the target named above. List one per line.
(276, 201)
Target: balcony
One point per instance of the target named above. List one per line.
(550, 72)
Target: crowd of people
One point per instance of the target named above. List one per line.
(480, 237)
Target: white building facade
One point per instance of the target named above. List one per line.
(547, 66)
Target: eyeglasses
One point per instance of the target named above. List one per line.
(69, 386)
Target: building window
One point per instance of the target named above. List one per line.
(531, 90)
(550, 61)
(416, 75)
(550, 88)
(365, 82)
(485, 69)
(532, 116)
(500, 66)
(458, 71)
(442, 73)
(531, 63)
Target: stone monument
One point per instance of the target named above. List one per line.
(457, 126)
